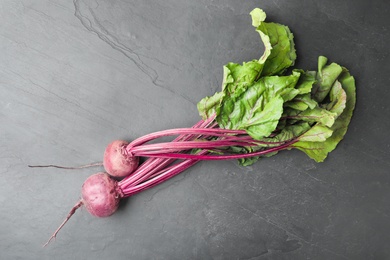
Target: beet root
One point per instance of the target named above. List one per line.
(117, 162)
(101, 195)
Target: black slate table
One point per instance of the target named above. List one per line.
(75, 75)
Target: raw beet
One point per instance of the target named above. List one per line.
(101, 195)
(117, 162)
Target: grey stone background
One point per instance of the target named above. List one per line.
(75, 75)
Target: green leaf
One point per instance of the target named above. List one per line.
(316, 114)
(251, 160)
(338, 99)
(237, 78)
(248, 161)
(306, 81)
(265, 122)
(288, 133)
(283, 53)
(319, 150)
(326, 76)
(297, 105)
(314, 108)
(209, 106)
(260, 107)
(251, 115)
(278, 41)
(318, 133)
(283, 85)
(302, 102)
(258, 16)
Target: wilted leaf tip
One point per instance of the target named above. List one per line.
(258, 16)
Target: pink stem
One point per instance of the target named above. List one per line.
(185, 145)
(218, 157)
(183, 131)
(158, 169)
(155, 164)
(161, 177)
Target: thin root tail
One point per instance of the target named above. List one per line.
(71, 212)
(66, 167)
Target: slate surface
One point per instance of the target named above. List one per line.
(76, 75)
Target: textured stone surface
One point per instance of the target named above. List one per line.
(76, 75)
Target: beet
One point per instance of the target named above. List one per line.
(117, 162)
(101, 195)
